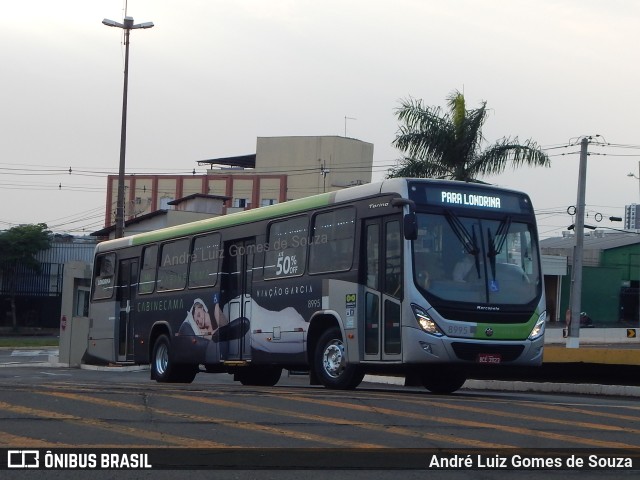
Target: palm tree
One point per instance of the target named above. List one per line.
(448, 145)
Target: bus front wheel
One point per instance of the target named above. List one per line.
(261, 376)
(443, 381)
(164, 370)
(330, 363)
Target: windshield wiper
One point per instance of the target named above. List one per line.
(469, 242)
(494, 250)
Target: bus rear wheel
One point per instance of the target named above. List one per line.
(330, 363)
(164, 370)
(443, 381)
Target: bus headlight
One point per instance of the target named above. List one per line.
(426, 322)
(538, 328)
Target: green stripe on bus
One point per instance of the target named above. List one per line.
(506, 331)
(255, 214)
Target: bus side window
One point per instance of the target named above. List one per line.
(103, 281)
(205, 261)
(332, 241)
(174, 260)
(287, 248)
(371, 262)
(393, 260)
(148, 270)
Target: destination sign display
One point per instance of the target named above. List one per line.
(470, 199)
(474, 197)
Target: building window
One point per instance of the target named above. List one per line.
(164, 203)
(82, 303)
(240, 203)
(268, 201)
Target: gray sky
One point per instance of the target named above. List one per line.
(213, 75)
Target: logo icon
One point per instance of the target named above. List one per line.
(489, 332)
(23, 459)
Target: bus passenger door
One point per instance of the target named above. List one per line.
(236, 293)
(125, 293)
(383, 288)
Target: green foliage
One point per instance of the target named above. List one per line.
(438, 144)
(19, 245)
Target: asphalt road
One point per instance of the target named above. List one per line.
(104, 409)
(52, 408)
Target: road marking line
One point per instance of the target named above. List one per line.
(228, 423)
(343, 421)
(149, 435)
(470, 423)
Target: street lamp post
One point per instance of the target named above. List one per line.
(127, 26)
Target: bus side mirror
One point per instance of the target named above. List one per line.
(410, 226)
(409, 220)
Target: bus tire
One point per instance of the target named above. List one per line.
(330, 363)
(164, 370)
(443, 380)
(264, 376)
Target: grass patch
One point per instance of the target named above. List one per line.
(17, 342)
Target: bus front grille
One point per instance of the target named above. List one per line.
(471, 351)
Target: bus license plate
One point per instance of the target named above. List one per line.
(489, 358)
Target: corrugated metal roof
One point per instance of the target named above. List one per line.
(592, 242)
(244, 161)
(67, 250)
(594, 245)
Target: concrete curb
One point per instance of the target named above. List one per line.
(53, 359)
(115, 368)
(34, 364)
(548, 387)
(536, 387)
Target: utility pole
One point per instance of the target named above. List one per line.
(127, 25)
(573, 340)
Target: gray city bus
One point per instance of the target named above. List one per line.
(414, 277)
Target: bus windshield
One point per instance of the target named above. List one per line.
(478, 260)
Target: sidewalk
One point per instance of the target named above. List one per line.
(602, 346)
(524, 386)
